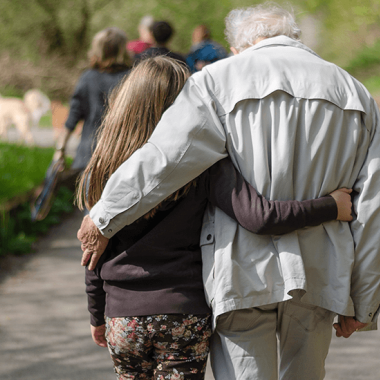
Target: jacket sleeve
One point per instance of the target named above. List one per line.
(365, 278)
(96, 298)
(229, 191)
(188, 140)
(76, 112)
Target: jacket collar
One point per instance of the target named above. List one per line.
(279, 41)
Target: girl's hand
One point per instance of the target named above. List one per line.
(99, 335)
(342, 198)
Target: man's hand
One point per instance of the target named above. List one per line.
(99, 335)
(347, 325)
(93, 242)
(342, 198)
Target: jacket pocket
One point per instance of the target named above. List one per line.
(207, 243)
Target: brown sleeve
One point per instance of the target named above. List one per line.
(229, 191)
(96, 297)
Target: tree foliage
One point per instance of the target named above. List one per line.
(34, 30)
(348, 26)
(33, 27)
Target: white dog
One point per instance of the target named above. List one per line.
(23, 114)
(37, 103)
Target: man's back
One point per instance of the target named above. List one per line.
(297, 127)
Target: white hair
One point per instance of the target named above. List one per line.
(146, 22)
(245, 26)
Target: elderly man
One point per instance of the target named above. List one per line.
(297, 127)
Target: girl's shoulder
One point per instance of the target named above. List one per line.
(87, 77)
(90, 73)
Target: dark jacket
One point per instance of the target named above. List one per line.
(88, 103)
(153, 266)
(155, 51)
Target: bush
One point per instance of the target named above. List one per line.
(22, 169)
(18, 232)
(366, 58)
(53, 75)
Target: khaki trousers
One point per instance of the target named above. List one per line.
(288, 341)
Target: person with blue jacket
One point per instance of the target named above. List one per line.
(203, 50)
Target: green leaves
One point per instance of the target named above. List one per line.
(62, 30)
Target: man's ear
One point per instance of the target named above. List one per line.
(234, 51)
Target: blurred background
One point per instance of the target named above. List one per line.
(43, 43)
(44, 327)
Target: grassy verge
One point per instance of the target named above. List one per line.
(11, 91)
(22, 169)
(46, 121)
(18, 232)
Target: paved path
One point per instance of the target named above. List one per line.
(356, 358)
(45, 137)
(44, 323)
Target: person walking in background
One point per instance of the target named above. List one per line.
(145, 39)
(203, 50)
(108, 64)
(162, 32)
(149, 281)
(296, 126)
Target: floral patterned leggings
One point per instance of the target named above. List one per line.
(159, 347)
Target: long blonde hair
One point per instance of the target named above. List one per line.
(135, 108)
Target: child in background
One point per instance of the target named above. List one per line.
(108, 64)
(146, 296)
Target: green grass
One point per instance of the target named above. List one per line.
(372, 84)
(46, 121)
(22, 168)
(11, 91)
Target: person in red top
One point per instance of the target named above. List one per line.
(145, 39)
(162, 32)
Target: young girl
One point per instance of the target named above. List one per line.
(108, 64)
(148, 283)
